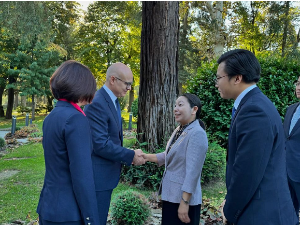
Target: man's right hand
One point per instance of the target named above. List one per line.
(138, 158)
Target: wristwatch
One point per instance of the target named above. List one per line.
(185, 201)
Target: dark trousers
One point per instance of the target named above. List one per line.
(295, 194)
(103, 201)
(170, 214)
(46, 222)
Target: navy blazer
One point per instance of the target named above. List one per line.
(292, 144)
(108, 153)
(256, 180)
(69, 192)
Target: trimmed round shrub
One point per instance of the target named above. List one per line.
(130, 208)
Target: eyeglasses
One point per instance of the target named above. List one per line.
(297, 83)
(128, 84)
(218, 78)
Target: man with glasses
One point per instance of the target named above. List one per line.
(292, 145)
(108, 155)
(256, 182)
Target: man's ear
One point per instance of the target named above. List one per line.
(238, 79)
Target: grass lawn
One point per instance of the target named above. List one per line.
(6, 123)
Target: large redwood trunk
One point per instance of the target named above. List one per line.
(159, 72)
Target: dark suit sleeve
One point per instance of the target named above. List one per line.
(253, 136)
(79, 146)
(104, 136)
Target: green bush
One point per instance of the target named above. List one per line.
(134, 107)
(23, 109)
(2, 142)
(129, 208)
(147, 176)
(277, 78)
(215, 163)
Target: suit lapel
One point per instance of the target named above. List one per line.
(244, 99)
(297, 125)
(111, 106)
(178, 141)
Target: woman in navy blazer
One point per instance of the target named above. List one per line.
(292, 142)
(68, 196)
(184, 158)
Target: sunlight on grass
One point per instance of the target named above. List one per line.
(215, 191)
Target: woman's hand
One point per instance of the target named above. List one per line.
(183, 212)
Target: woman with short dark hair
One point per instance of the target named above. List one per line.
(68, 195)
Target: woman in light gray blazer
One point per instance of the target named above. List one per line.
(184, 158)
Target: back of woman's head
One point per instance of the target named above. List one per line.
(194, 100)
(74, 82)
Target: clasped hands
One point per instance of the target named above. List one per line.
(139, 158)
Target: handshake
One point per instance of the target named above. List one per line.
(139, 158)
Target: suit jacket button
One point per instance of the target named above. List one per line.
(89, 223)
(88, 218)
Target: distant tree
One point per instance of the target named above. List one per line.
(159, 72)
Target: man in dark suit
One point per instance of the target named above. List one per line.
(108, 155)
(292, 144)
(256, 181)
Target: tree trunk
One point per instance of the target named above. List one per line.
(10, 98)
(285, 28)
(159, 72)
(182, 75)
(1, 106)
(131, 99)
(33, 109)
(16, 101)
(217, 26)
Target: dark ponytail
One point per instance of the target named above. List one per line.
(195, 101)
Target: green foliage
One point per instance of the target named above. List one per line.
(147, 176)
(36, 134)
(277, 78)
(23, 109)
(129, 208)
(215, 163)
(123, 103)
(2, 142)
(216, 112)
(134, 107)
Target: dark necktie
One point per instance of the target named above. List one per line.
(118, 111)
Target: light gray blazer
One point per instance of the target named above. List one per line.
(183, 165)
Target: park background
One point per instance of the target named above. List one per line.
(171, 47)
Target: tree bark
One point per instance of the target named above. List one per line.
(10, 98)
(131, 99)
(159, 72)
(285, 28)
(1, 106)
(33, 109)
